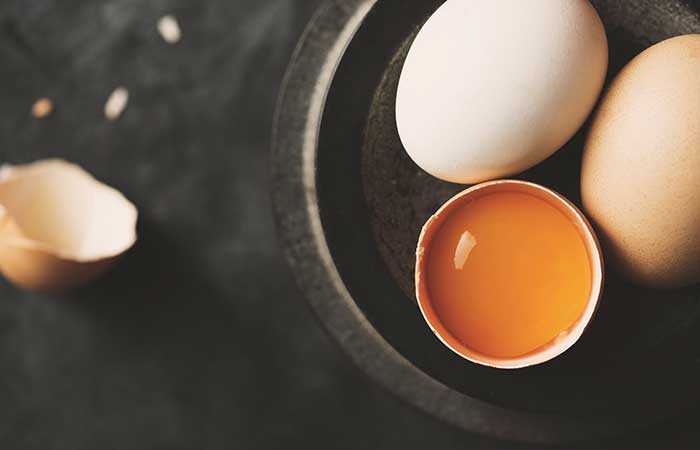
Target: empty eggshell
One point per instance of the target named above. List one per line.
(60, 227)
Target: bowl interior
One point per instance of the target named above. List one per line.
(637, 361)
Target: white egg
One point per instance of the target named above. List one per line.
(492, 88)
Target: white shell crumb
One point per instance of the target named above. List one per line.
(116, 103)
(169, 29)
(42, 108)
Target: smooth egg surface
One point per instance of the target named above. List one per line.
(641, 167)
(492, 88)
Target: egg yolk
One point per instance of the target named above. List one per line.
(507, 273)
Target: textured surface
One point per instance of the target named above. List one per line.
(199, 340)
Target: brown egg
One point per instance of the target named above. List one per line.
(641, 166)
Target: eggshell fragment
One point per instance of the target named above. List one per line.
(42, 108)
(169, 29)
(59, 227)
(116, 103)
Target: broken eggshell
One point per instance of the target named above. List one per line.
(60, 228)
(558, 345)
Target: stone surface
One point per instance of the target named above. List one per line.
(199, 339)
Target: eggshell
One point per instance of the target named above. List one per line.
(42, 271)
(59, 227)
(491, 88)
(641, 167)
(568, 337)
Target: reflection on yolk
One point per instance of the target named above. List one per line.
(508, 273)
(464, 248)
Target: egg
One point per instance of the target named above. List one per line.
(59, 227)
(492, 88)
(508, 296)
(641, 168)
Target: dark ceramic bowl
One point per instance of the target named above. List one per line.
(350, 205)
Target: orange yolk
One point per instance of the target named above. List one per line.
(507, 273)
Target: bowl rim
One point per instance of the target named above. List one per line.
(292, 179)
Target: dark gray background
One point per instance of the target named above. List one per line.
(199, 339)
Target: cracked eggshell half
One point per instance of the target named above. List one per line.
(60, 228)
(423, 295)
